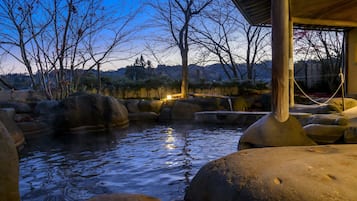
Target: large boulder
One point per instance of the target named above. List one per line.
(90, 112)
(269, 132)
(9, 167)
(123, 197)
(281, 173)
(15, 132)
(325, 134)
(183, 110)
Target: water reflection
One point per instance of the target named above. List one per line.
(155, 160)
(170, 140)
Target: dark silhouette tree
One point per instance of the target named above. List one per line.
(177, 16)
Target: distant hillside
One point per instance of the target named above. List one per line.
(197, 73)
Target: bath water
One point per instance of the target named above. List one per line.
(156, 160)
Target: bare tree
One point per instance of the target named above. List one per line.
(324, 46)
(256, 43)
(14, 35)
(60, 36)
(225, 33)
(215, 33)
(177, 15)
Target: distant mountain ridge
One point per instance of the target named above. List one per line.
(209, 73)
(214, 72)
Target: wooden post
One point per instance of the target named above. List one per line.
(280, 56)
(291, 64)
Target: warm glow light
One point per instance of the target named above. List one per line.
(169, 97)
(170, 139)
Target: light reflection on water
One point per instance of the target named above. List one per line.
(157, 160)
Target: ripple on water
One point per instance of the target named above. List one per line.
(157, 160)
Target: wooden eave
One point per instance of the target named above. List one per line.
(304, 13)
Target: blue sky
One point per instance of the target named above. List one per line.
(151, 42)
(133, 48)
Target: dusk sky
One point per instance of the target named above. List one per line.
(143, 38)
(147, 38)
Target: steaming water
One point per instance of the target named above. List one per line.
(156, 160)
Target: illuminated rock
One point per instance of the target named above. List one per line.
(306, 173)
(269, 132)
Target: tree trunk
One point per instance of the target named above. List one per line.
(248, 63)
(26, 61)
(249, 71)
(98, 79)
(184, 82)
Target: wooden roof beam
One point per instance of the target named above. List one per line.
(336, 7)
(331, 23)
